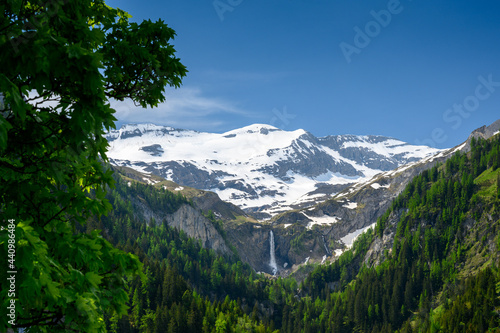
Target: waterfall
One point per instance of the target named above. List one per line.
(272, 261)
(326, 247)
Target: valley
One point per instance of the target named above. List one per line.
(318, 232)
(278, 188)
(405, 250)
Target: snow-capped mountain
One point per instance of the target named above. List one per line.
(260, 168)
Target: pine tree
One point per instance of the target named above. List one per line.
(498, 185)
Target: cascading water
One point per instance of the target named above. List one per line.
(272, 261)
(326, 247)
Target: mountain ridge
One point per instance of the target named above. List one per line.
(260, 168)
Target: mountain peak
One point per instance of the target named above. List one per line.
(145, 127)
(138, 130)
(254, 128)
(259, 167)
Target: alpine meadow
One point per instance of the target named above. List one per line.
(149, 228)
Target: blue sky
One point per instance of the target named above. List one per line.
(426, 72)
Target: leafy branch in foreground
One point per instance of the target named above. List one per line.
(65, 60)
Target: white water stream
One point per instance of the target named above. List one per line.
(272, 261)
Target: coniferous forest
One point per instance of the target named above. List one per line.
(429, 280)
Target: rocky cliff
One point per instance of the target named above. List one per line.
(195, 225)
(189, 217)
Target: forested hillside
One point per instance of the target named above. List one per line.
(441, 271)
(187, 288)
(430, 265)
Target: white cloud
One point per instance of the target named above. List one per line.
(186, 107)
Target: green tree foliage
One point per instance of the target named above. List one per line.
(473, 308)
(188, 288)
(62, 61)
(498, 186)
(421, 272)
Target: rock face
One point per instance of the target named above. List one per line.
(195, 225)
(153, 150)
(187, 218)
(370, 150)
(375, 254)
(483, 132)
(209, 201)
(252, 242)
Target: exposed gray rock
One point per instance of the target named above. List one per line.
(252, 243)
(182, 173)
(188, 219)
(197, 226)
(222, 210)
(376, 252)
(483, 132)
(346, 146)
(312, 164)
(153, 150)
